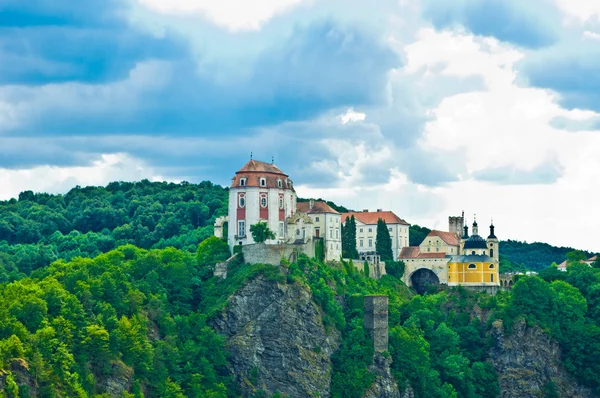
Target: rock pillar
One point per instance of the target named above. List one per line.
(376, 321)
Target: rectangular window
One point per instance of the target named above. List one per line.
(370, 242)
(242, 228)
(316, 219)
(337, 233)
(370, 229)
(331, 233)
(390, 229)
(361, 243)
(360, 230)
(281, 230)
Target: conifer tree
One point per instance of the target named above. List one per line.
(383, 241)
(349, 239)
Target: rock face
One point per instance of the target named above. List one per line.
(384, 386)
(527, 361)
(277, 340)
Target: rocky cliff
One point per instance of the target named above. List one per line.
(277, 340)
(528, 363)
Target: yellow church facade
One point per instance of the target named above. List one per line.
(447, 258)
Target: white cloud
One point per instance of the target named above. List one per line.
(234, 15)
(52, 179)
(501, 124)
(591, 35)
(352, 116)
(583, 10)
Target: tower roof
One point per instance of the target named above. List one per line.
(261, 175)
(256, 166)
(475, 242)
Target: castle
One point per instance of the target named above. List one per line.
(452, 259)
(261, 192)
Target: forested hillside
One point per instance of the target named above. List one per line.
(38, 228)
(95, 303)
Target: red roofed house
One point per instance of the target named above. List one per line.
(326, 225)
(563, 266)
(366, 229)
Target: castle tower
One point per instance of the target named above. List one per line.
(455, 224)
(260, 192)
(376, 321)
(493, 244)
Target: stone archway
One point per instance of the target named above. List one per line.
(422, 279)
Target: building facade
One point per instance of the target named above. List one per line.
(366, 230)
(327, 225)
(469, 261)
(261, 192)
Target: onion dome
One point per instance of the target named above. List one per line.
(475, 242)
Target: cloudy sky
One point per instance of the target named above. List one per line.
(425, 107)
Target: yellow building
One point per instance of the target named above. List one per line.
(448, 259)
(477, 266)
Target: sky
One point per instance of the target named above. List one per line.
(425, 107)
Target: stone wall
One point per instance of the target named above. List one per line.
(376, 321)
(272, 254)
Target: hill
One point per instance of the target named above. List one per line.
(95, 304)
(38, 228)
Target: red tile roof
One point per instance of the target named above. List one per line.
(254, 170)
(450, 238)
(260, 167)
(318, 207)
(371, 217)
(414, 252)
(409, 252)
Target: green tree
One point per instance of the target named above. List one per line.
(349, 239)
(211, 251)
(261, 232)
(383, 241)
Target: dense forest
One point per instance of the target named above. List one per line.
(38, 228)
(113, 286)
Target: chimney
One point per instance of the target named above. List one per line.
(365, 210)
(378, 210)
(312, 204)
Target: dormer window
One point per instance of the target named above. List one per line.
(242, 182)
(263, 182)
(279, 184)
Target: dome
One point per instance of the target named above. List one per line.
(475, 242)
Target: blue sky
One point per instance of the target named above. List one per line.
(426, 107)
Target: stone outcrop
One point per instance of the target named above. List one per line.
(277, 340)
(527, 361)
(19, 369)
(384, 385)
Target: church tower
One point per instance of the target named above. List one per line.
(493, 244)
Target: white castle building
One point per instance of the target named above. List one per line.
(261, 192)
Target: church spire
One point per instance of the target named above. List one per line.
(492, 235)
(475, 227)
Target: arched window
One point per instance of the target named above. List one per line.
(263, 201)
(279, 183)
(491, 252)
(242, 201)
(473, 252)
(263, 182)
(491, 277)
(280, 202)
(242, 182)
(472, 266)
(491, 266)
